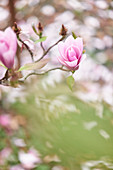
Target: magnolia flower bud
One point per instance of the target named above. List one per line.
(8, 47)
(63, 31)
(71, 53)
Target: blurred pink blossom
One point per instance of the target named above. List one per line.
(19, 142)
(71, 52)
(8, 47)
(4, 154)
(29, 159)
(5, 120)
(25, 36)
(17, 167)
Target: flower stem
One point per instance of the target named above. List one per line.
(49, 49)
(52, 69)
(27, 47)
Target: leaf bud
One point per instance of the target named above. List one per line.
(63, 31)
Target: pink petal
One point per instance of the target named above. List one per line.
(69, 41)
(24, 36)
(3, 48)
(8, 59)
(2, 35)
(77, 50)
(17, 167)
(82, 58)
(75, 55)
(79, 43)
(61, 60)
(72, 64)
(62, 49)
(71, 54)
(11, 39)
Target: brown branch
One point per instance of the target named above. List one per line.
(52, 69)
(5, 78)
(27, 47)
(49, 49)
(42, 47)
(12, 11)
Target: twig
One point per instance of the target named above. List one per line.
(5, 78)
(50, 49)
(42, 47)
(27, 47)
(57, 68)
(40, 28)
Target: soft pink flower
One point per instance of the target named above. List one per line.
(4, 154)
(5, 120)
(29, 159)
(17, 167)
(71, 52)
(25, 36)
(19, 142)
(8, 47)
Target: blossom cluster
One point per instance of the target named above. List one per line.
(15, 154)
(70, 52)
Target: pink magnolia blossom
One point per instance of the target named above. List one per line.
(19, 142)
(4, 154)
(8, 47)
(25, 36)
(17, 167)
(5, 120)
(30, 159)
(71, 52)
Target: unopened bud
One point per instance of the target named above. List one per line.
(40, 27)
(16, 29)
(63, 31)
